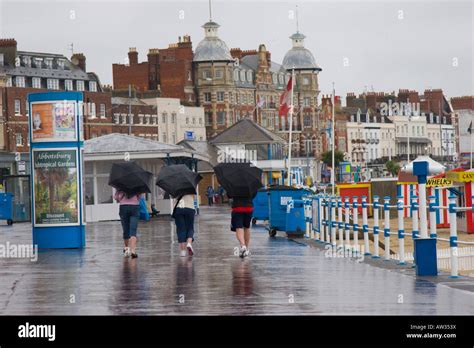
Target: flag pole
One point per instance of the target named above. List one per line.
(333, 169)
(470, 139)
(291, 125)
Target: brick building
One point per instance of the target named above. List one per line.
(463, 108)
(167, 70)
(24, 72)
(231, 84)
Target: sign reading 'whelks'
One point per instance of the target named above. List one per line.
(438, 182)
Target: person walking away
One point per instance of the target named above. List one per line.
(242, 209)
(129, 215)
(220, 191)
(183, 215)
(210, 195)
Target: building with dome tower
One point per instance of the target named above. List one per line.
(307, 122)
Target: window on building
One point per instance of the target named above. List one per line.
(124, 118)
(147, 119)
(307, 101)
(49, 63)
(36, 82)
(53, 84)
(68, 85)
(20, 81)
(173, 137)
(220, 117)
(27, 107)
(307, 120)
(163, 137)
(116, 118)
(264, 119)
(140, 119)
(187, 120)
(155, 119)
(236, 75)
(220, 96)
(194, 120)
(80, 86)
(207, 97)
(130, 118)
(17, 107)
(249, 76)
(102, 110)
(163, 117)
(173, 117)
(218, 73)
(189, 75)
(92, 110)
(19, 139)
(305, 80)
(92, 86)
(206, 74)
(208, 118)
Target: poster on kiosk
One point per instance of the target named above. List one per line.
(56, 159)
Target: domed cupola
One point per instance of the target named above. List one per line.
(211, 48)
(298, 56)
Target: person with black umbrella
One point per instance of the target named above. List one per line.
(180, 182)
(241, 182)
(130, 182)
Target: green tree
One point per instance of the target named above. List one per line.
(326, 157)
(392, 167)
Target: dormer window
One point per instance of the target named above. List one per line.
(49, 63)
(61, 64)
(38, 62)
(27, 61)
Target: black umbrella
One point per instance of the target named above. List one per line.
(130, 178)
(178, 180)
(239, 179)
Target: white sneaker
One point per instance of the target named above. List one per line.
(247, 253)
(243, 251)
(127, 252)
(183, 253)
(190, 249)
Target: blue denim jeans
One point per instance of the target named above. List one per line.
(129, 216)
(184, 219)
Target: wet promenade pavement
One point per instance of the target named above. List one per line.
(280, 277)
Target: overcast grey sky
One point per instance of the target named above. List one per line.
(384, 44)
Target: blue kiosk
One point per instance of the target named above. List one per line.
(56, 159)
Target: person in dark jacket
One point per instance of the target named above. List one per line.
(210, 195)
(242, 209)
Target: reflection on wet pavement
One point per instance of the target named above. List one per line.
(280, 277)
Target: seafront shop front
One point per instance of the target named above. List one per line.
(99, 155)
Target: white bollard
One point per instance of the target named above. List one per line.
(365, 226)
(333, 221)
(355, 222)
(307, 216)
(347, 207)
(320, 218)
(328, 220)
(401, 231)
(376, 227)
(386, 229)
(432, 216)
(453, 237)
(340, 222)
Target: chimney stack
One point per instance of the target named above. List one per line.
(79, 60)
(132, 56)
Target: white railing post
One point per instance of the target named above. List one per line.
(347, 210)
(432, 216)
(414, 229)
(340, 222)
(365, 226)
(386, 229)
(401, 231)
(355, 222)
(324, 215)
(333, 221)
(320, 218)
(422, 210)
(453, 236)
(376, 227)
